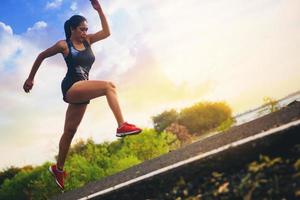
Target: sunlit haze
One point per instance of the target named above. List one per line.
(161, 55)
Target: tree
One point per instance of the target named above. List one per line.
(204, 117)
(29, 184)
(181, 133)
(8, 173)
(147, 145)
(164, 119)
(87, 162)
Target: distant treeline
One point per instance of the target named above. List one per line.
(88, 161)
(195, 121)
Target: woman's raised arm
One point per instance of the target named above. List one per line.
(105, 32)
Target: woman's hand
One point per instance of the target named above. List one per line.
(95, 4)
(28, 85)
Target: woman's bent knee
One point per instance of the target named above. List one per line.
(111, 84)
(110, 87)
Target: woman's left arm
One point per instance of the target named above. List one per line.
(104, 33)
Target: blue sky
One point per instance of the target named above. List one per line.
(161, 55)
(21, 14)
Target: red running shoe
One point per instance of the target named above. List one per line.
(58, 175)
(127, 129)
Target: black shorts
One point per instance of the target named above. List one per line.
(66, 84)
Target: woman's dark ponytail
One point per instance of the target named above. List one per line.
(67, 29)
(73, 23)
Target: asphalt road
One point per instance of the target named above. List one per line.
(271, 133)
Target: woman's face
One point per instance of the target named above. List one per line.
(81, 31)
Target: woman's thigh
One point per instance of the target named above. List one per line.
(74, 115)
(86, 90)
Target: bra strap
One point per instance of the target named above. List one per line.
(86, 44)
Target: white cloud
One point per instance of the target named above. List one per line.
(11, 45)
(54, 4)
(226, 43)
(196, 41)
(37, 26)
(16, 59)
(117, 54)
(73, 6)
(6, 28)
(40, 34)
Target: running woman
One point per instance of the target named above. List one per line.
(76, 87)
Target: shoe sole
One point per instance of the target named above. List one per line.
(50, 170)
(128, 133)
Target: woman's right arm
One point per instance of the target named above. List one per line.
(57, 48)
